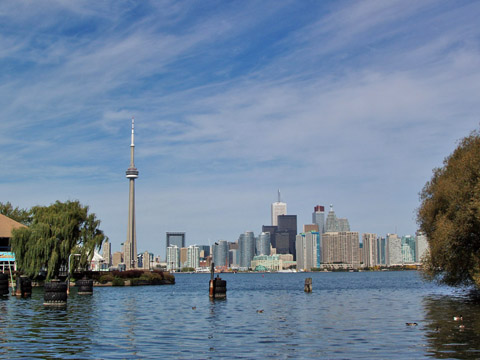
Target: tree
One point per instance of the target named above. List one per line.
(56, 232)
(20, 215)
(449, 215)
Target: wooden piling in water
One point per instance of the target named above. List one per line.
(308, 285)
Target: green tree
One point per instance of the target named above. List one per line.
(449, 215)
(23, 216)
(56, 231)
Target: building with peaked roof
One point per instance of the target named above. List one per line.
(7, 225)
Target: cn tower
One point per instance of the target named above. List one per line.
(130, 249)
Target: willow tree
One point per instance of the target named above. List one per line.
(449, 215)
(56, 231)
(22, 216)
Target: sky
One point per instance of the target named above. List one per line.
(350, 103)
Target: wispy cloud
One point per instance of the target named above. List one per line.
(346, 102)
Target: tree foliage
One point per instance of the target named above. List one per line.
(56, 231)
(22, 216)
(449, 215)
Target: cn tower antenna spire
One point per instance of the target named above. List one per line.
(130, 247)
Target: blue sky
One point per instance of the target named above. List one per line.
(347, 103)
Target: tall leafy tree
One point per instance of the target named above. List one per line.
(23, 216)
(449, 214)
(56, 231)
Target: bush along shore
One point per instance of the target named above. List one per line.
(133, 278)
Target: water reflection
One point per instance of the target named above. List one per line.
(446, 337)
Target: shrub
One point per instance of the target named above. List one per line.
(118, 282)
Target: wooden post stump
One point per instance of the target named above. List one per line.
(308, 285)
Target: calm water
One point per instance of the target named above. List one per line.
(348, 315)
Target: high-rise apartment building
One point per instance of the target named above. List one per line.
(220, 253)
(308, 249)
(183, 257)
(381, 251)
(394, 250)
(193, 257)
(107, 253)
(263, 244)
(278, 208)
(408, 249)
(173, 258)
(341, 248)
(421, 246)
(246, 246)
(175, 239)
(117, 258)
(369, 249)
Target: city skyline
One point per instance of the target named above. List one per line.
(349, 103)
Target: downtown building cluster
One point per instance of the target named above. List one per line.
(327, 243)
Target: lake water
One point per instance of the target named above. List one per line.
(348, 315)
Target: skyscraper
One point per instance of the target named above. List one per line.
(278, 208)
(263, 244)
(193, 257)
(394, 250)
(421, 246)
(131, 243)
(341, 247)
(173, 258)
(107, 253)
(175, 238)
(331, 222)
(369, 249)
(220, 253)
(308, 249)
(246, 246)
(318, 217)
(288, 224)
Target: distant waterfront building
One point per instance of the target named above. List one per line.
(220, 253)
(341, 248)
(342, 225)
(334, 224)
(147, 260)
(193, 257)
(308, 249)
(381, 251)
(233, 257)
(288, 224)
(421, 246)
(272, 262)
(369, 249)
(204, 251)
(331, 222)
(278, 208)
(394, 250)
(173, 258)
(318, 217)
(246, 245)
(263, 244)
(117, 258)
(310, 227)
(107, 253)
(272, 230)
(408, 249)
(183, 257)
(175, 239)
